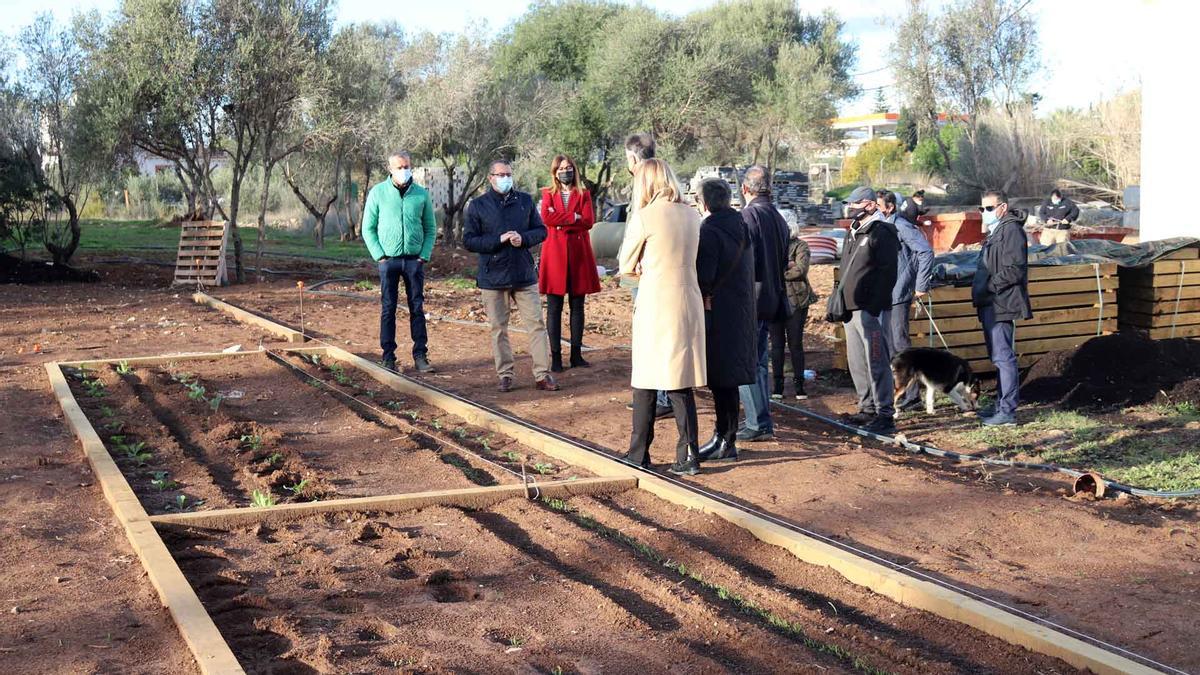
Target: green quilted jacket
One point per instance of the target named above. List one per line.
(395, 226)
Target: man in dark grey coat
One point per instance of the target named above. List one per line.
(1000, 293)
(868, 277)
(914, 272)
(725, 270)
(769, 232)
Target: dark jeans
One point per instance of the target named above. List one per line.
(756, 398)
(898, 335)
(789, 333)
(998, 335)
(412, 271)
(554, 309)
(725, 404)
(683, 401)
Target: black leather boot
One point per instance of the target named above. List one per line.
(709, 447)
(577, 333)
(688, 467)
(726, 451)
(554, 307)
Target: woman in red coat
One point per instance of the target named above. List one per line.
(568, 266)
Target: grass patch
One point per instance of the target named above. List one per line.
(460, 283)
(1156, 457)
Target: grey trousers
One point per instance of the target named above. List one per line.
(899, 341)
(869, 356)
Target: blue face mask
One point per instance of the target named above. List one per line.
(504, 184)
(990, 219)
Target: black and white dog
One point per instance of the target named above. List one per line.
(938, 370)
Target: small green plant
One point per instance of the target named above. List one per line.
(182, 377)
(460, 432)
(115, 425)
(252, 442)
(298, 487)
(437, 424)
(512, 456)
(363, 285)
(162, 483)
(393, 405)
(94, 388)
(181, 502)
(262, 500)
(215, 402)
(339, 374)
(485, 442)
(196, 391)
(123, 368)
(107, 411)
(412, 414)
(461, 283)
(515, 641)
(543, 468)
(275, 458)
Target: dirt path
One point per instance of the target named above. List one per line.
(1120, 570)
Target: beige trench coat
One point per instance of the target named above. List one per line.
(668, 315)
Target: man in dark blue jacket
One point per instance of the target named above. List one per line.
(1000, 293)
(769, 233)
(502, 225)
(914, 271)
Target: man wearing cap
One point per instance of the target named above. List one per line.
(868, 277)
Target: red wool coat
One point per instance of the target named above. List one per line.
(568, 266)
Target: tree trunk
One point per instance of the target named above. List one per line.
(235, 198)
(189, 192)
(268, 166)
(62, 254)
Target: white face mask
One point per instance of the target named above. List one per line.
(401, 176)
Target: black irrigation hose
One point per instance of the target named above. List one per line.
(160, 263)
(960, 457)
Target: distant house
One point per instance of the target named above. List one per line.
(149, 164)
(863, 128)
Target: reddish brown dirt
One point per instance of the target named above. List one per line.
(1009, 534)
(83, 603)
(523, 587)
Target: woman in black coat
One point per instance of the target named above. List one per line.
(725, 270)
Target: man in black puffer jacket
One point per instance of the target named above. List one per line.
(502, 225)
(869, 267)
(1000, 293)
(1058, 214)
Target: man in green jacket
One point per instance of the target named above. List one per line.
(399, 230)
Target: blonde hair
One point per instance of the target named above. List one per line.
(653, 180)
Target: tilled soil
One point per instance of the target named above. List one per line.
(1012, 535)
(197, 435)
(595, 585)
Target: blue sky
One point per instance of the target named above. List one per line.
(1090, 47)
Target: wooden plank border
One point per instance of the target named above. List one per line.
(212, 653)
(901, 587)
(289, 334)
(157, 360)
(472, 498)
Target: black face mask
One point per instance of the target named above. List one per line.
(856, 213)
(566, 177)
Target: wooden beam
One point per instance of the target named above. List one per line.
(963, 293)
(1038, 302)
(471, 498)
(156, 360)
(1161, 307)
(245, 316)
(212, 653)
(1159, 320)
(1160, 294)
(1026, 332)
(919, 326)
(1086, 271)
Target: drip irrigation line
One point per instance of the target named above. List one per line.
(905, 569)
(160, 263)
(959, 456)
(404, 423)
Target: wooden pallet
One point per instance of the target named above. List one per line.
(1071, 304)
(201, 256)
(1162, 299)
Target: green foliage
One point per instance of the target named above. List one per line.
(906, 130)
(543, 468)
(262, 499)
(880, 154)
(252, 442)
(927, 157)
(123, 368)
(299, 487)
(275, 458)
(363, 285)
(161, 482)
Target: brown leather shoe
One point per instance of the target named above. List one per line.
(505, 384)
(547, 383)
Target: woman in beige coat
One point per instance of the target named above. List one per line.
(668, 315)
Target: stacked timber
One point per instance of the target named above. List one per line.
(201, 256)
(1071, 304)
(1163, 298)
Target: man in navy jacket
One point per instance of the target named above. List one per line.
(502, 225)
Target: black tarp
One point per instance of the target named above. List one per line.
(957, 269)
